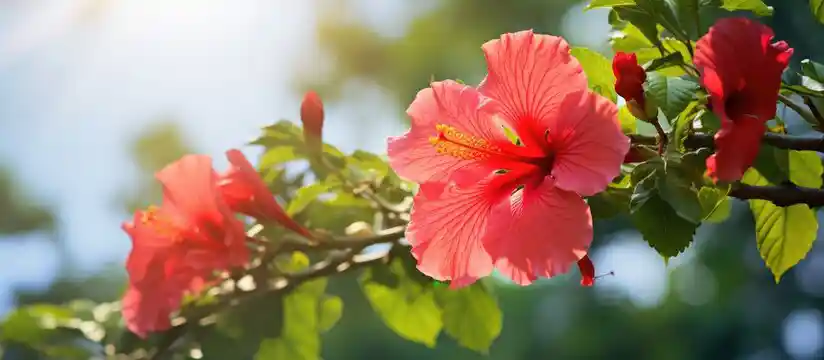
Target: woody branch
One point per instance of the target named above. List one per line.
(345, 256)
(781, 195)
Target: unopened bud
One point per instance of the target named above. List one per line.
(587, 271)
(311, 115)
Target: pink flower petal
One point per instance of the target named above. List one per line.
(541, 233)
(461, 107)
(446, 229)
(147, 310)
(529, 75)
(589, 144)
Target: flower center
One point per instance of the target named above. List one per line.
(162, 225)
(453, 142)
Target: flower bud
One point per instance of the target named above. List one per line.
(629, 83)
(311, 115)
(587, 271)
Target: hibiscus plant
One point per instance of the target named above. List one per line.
(506, 176)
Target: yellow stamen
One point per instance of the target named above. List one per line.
(453, 142)
(162, 225)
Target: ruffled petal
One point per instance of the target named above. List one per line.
(446, 229)
(529, 75)
(189, 188)
(470, 136)
(144, 312)
(588, 143)
(245, 192)
(756, 81)
(541, 233)
(736, 147)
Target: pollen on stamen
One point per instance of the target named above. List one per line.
(160, 224)
(453, 142)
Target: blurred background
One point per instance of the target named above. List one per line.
(95, 95)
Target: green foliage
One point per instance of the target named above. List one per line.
(784, 235)
(805, 168)
(664, 207)
(471, 316)
(817, 7)
(757, 7)
(409, 308)
(598, 70)
(417, 310)
(715, 204)
(609, 3)
(672, 94)
(613, 201)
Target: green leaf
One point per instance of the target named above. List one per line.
(688, 12)
(812, 69)
(715, 204)
(240, 331)
(282, 133)
(277, 156)
(594, 4)
(470, 315)
(817, 8)
(673, 59)
(610, 203)
(645, 23)
(683, 124)
(331, 310)
(628, 121)
(805, 168)
(672, 94)
(299, 339)
(598, 70)
(409, 309)
(784, 235)
(304, 196)
(48, 329)
(659, 224)
(757, 7)
(31, 324)
(676, 189)
(772, 163)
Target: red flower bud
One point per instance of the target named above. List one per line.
(587, 271)
(311, 115)
(629, 77)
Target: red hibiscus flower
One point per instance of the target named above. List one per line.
(629, 77)
(245, 192)
(486, 202)
(741, 69)
(177, 247)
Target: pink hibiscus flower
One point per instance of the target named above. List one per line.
(486, 202)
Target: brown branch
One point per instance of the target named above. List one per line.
(339, 262)
(782, 141)
(781, 195)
